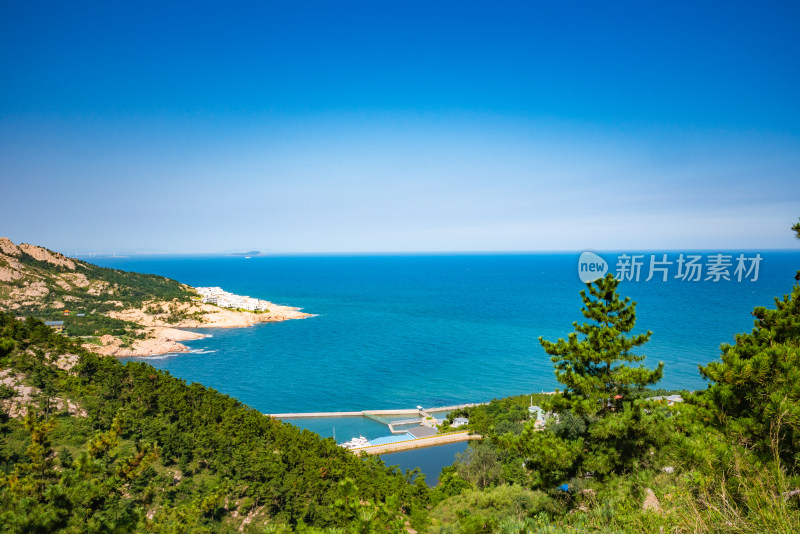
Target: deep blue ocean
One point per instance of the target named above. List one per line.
(398, 331)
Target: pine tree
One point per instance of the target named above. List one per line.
(796, 230)
(593, 367)
(755, 388)
(601, 430)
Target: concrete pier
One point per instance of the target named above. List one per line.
(439, 439)
(313, 414)
(367, 413)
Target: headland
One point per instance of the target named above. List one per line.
(120, 313)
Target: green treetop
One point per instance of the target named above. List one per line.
(600, 429)
(593, 366)
(796, 229)
(755, 387)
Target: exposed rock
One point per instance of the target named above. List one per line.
(8, 247)
(76, 279)
(159, 341)
(63, 284)
(30, 291)
(10, 268)
(17, 406)
(252, 514)
(651, 501)
(98, 288)
(67, 361)
(9, 275)
(42, 254)
(209, 316)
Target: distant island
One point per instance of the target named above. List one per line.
(119, 313)
(247, 254)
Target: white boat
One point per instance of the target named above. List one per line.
(355, 443)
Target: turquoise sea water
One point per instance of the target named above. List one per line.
(401, 331)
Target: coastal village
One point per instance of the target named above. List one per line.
(225, 299)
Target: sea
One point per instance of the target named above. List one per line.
(403, 330)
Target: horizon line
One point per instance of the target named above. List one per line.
(423, 253)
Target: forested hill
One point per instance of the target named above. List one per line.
(41, 283)
(98, 446)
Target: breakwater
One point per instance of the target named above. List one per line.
(425, 412)
(417, 443)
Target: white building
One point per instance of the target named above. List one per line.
(459, 421)
(224, 299)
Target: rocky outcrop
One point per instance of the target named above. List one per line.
(28, 294)
(165, 337)
(24, 396)
(75, 279)
(66, 361)
(158, 341)
(199, 315)
(9, 274)
(651, 502)
(43, 254)
(8, 248)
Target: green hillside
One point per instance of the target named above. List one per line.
(37, 282)
(149, 452)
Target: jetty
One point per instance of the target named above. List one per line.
(425, 412)
(417, 443)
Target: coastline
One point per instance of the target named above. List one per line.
(161, 321)
(165, 337)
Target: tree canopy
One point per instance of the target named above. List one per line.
(593, 361)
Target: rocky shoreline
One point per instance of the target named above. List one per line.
(164, 338)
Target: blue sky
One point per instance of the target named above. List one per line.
(349, 126)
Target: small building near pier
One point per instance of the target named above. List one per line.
(459, 421)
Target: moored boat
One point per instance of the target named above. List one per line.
(355, 443)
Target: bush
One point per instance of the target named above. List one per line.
(482, 511)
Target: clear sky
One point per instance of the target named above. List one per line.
(202, 127)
